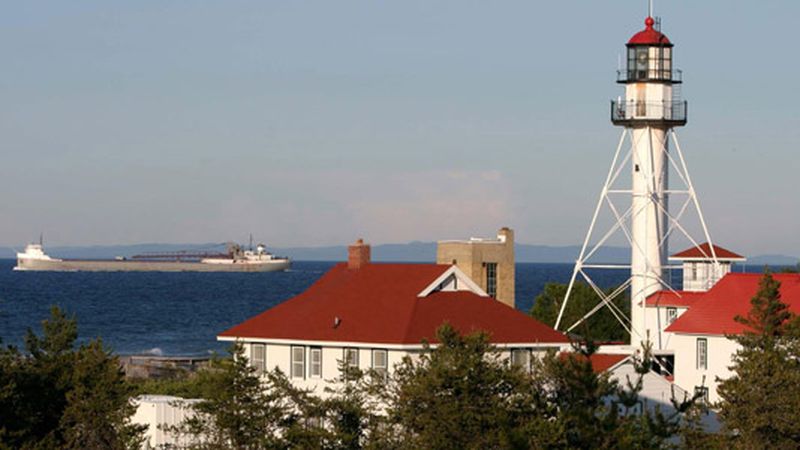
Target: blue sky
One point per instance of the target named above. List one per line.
(315, 122)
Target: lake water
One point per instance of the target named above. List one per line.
(181, 313)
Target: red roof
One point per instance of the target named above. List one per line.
(600, 361)
(682, 299)
(714, 312)
(703, 251)
(649, 36)
(379, 303)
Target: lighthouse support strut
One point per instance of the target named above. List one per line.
(621, 220)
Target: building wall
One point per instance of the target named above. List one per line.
(658, 392)
(720, 357)
(471, 256)
(279, 356)
(700, 276)
(157, 413)
(656, 317)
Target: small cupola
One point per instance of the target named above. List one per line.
(699, 271)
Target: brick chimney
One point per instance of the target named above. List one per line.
(358, 255)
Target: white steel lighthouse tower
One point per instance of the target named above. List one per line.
(638, 207)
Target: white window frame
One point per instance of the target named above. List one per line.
(260, 364)
(702, 353)
(294, 361)
(315, 367)
(521, 351)
(346, 357)
(672, 314)
(382, 369)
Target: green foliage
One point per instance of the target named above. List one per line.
(761, 401)
(242, 410)
(459, 394)
(602, 325)
(54, 396)
(182, 383)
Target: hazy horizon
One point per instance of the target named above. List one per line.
(314, 123)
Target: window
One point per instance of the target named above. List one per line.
(694, 271)
(521, 357)
(702, 391)
(258, 357)
(298, 362)
(351, 357)
(315, 369)
(491, 279)
(702, 353)
(380, 362)
(672, 314)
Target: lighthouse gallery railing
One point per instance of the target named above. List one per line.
(625, 112)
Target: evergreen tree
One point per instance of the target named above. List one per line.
(243, 411)
(98, 404)
(459, 394)
(760, 402)
(53, 396)
(603, 325)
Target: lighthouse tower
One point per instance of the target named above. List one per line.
(649, 112)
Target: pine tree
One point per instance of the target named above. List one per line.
(459, 394)
(54, 396)
(760, 406)
(243, 410)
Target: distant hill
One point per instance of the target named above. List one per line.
(410, 252)
(773, 260)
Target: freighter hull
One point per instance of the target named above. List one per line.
(74, 265)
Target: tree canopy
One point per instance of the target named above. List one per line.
(602, 326)
(54, 395)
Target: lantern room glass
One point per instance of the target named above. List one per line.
(649, 63)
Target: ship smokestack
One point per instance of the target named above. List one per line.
(358, 255)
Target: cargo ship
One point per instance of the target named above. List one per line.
(236, 259)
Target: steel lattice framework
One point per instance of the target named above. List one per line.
(609, 202)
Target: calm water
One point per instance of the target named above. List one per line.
(181, 313)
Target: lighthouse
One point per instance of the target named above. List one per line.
(649, 110)
(636, 194)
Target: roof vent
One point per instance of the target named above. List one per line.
(336, 322)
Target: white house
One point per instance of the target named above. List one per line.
(371, 315)
(703, 354)
(693, 322)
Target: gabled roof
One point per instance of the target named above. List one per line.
(682, 299)
(703, 251)
(380, 303)
(713, 312)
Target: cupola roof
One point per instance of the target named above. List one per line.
(649, 36)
